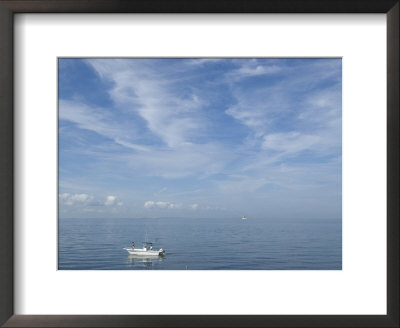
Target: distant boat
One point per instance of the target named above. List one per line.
(146, 250)
(244, 217)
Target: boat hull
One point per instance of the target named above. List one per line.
(145, 252)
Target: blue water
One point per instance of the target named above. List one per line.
(201, 244)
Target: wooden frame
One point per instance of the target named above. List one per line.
(9, 7)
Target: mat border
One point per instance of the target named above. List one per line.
(10, 7)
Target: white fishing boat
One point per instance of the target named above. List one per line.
(146, 250)
(244, 217)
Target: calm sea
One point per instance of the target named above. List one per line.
(201, 244)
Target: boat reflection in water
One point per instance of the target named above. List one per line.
(147, 262)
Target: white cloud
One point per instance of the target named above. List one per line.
(194, 206)
(111, 200)
(161, 205)
(149, 204)
(85, 200)
(174, 206)
(76, 199)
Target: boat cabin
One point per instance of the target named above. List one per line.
(147, 245)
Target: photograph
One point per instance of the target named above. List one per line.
(199, 163)
(217, 150)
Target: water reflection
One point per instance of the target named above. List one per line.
(147, 262)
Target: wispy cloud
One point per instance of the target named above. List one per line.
(290, 143)
(140, 87)
(98, 120)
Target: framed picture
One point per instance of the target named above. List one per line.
(254, 152)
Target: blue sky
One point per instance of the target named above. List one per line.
(200, 138)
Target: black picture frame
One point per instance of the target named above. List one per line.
(10, 7)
